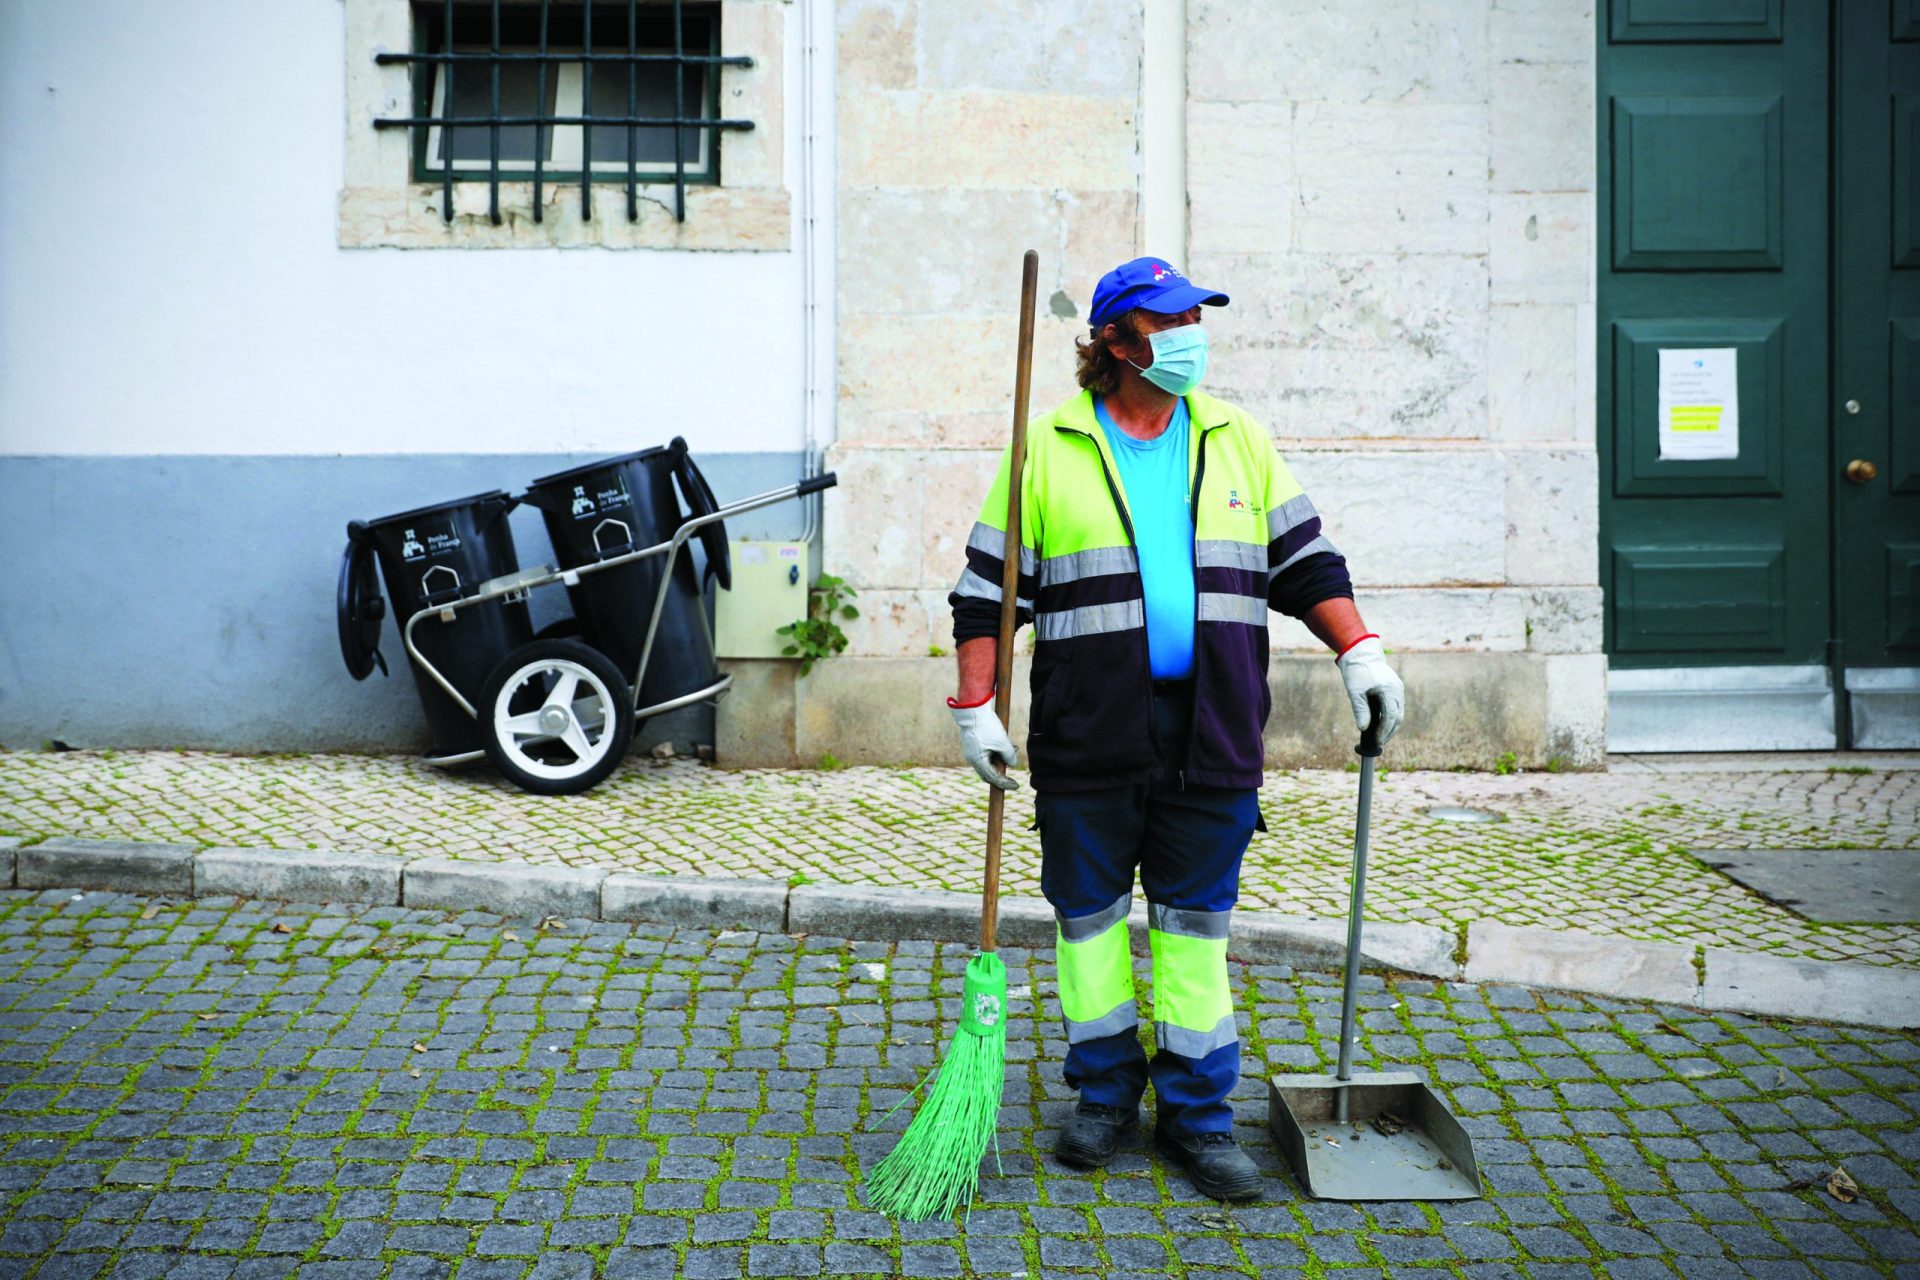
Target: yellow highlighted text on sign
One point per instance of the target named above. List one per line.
(1696, 417)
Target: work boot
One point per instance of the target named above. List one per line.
(1093, 1133)
(1214, 1163)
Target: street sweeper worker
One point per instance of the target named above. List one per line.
(1158, 526)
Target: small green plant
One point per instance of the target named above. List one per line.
(1848, 768)
(935, 651)
(1556, 764)
(797, 879)
(1506, 762)
(818, 635)
(830, 761)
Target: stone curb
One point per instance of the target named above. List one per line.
(1735, 981)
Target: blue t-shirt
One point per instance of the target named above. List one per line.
(1153, 475)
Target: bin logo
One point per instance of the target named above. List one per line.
(437, 542)
(1233, 501)
(585, 504)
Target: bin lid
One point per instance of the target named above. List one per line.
(599, 465)
(491, 495)
(360, 607)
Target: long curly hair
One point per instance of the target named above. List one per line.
(1098, 369)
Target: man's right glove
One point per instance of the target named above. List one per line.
(982, 736)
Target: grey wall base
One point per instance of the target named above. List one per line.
(188, 601)
(1738, 981)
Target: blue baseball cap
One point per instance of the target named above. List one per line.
(1151, 283)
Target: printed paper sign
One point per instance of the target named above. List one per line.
(1699, 404)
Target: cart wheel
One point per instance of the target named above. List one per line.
(559, 717)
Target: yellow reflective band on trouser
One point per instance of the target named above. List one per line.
(1192, 1002)
(1096, 972)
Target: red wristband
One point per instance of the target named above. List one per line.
(1343, 653)
(964, 705)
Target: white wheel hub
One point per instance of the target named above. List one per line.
(573, 725)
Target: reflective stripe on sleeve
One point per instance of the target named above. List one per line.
(1294, 511)
(972, 584)
(1318, 544)
(994, 542)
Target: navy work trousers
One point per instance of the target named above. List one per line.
(1187, 843)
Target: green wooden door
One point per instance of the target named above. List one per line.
(1714, 235)
(1875, 473)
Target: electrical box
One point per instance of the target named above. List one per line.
(770, 581)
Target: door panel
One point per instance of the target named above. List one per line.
(1696, 183)
(1714, 184)
(1695, 20)
(1638, 468)
(1876, 414)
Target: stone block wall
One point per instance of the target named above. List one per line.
(967, 135)
(1399, 197)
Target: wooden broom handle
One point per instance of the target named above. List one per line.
(1009, 590)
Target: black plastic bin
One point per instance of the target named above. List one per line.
(433, 555)
(616, 505)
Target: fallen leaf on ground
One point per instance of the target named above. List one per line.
(206, 1017)
(1842, 1187)
(415, 1073)
(1213, 1221)
(283, 928)
(552, 922)
(153, 909)
(509, 936)
(418, 1047)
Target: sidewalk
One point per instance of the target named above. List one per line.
(1598, 852)
(223, 1089)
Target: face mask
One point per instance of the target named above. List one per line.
(1179, 359)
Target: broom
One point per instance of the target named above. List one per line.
(935, 1167)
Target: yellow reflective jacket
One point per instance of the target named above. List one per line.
(1257, 545)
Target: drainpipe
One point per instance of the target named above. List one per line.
(816, 241)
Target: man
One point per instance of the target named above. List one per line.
(1158, 526)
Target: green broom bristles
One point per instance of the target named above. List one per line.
(935, 1167)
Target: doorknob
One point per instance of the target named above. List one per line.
(1859, 471)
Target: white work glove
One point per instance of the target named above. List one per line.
(1364, 668)
(982, 736)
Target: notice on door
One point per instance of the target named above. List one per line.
(1699, 404)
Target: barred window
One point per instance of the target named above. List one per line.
(563, 91)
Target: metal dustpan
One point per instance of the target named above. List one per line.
(1379, 1135)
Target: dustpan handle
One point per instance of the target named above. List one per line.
(1368, 751)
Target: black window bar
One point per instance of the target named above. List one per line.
(541, 121)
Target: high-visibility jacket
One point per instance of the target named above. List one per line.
(1257, 545)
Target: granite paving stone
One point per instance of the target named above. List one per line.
(126, 1032)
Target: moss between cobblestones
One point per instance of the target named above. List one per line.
(364, 1095)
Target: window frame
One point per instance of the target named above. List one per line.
(750, 209)
(564, 140)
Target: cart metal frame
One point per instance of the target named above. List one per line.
(514, 587)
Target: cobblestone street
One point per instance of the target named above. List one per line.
(223, 1089)
(1599, 852)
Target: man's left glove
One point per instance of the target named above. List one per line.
(1363, 665)
(981, 736)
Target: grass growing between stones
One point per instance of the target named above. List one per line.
(708, 1111)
